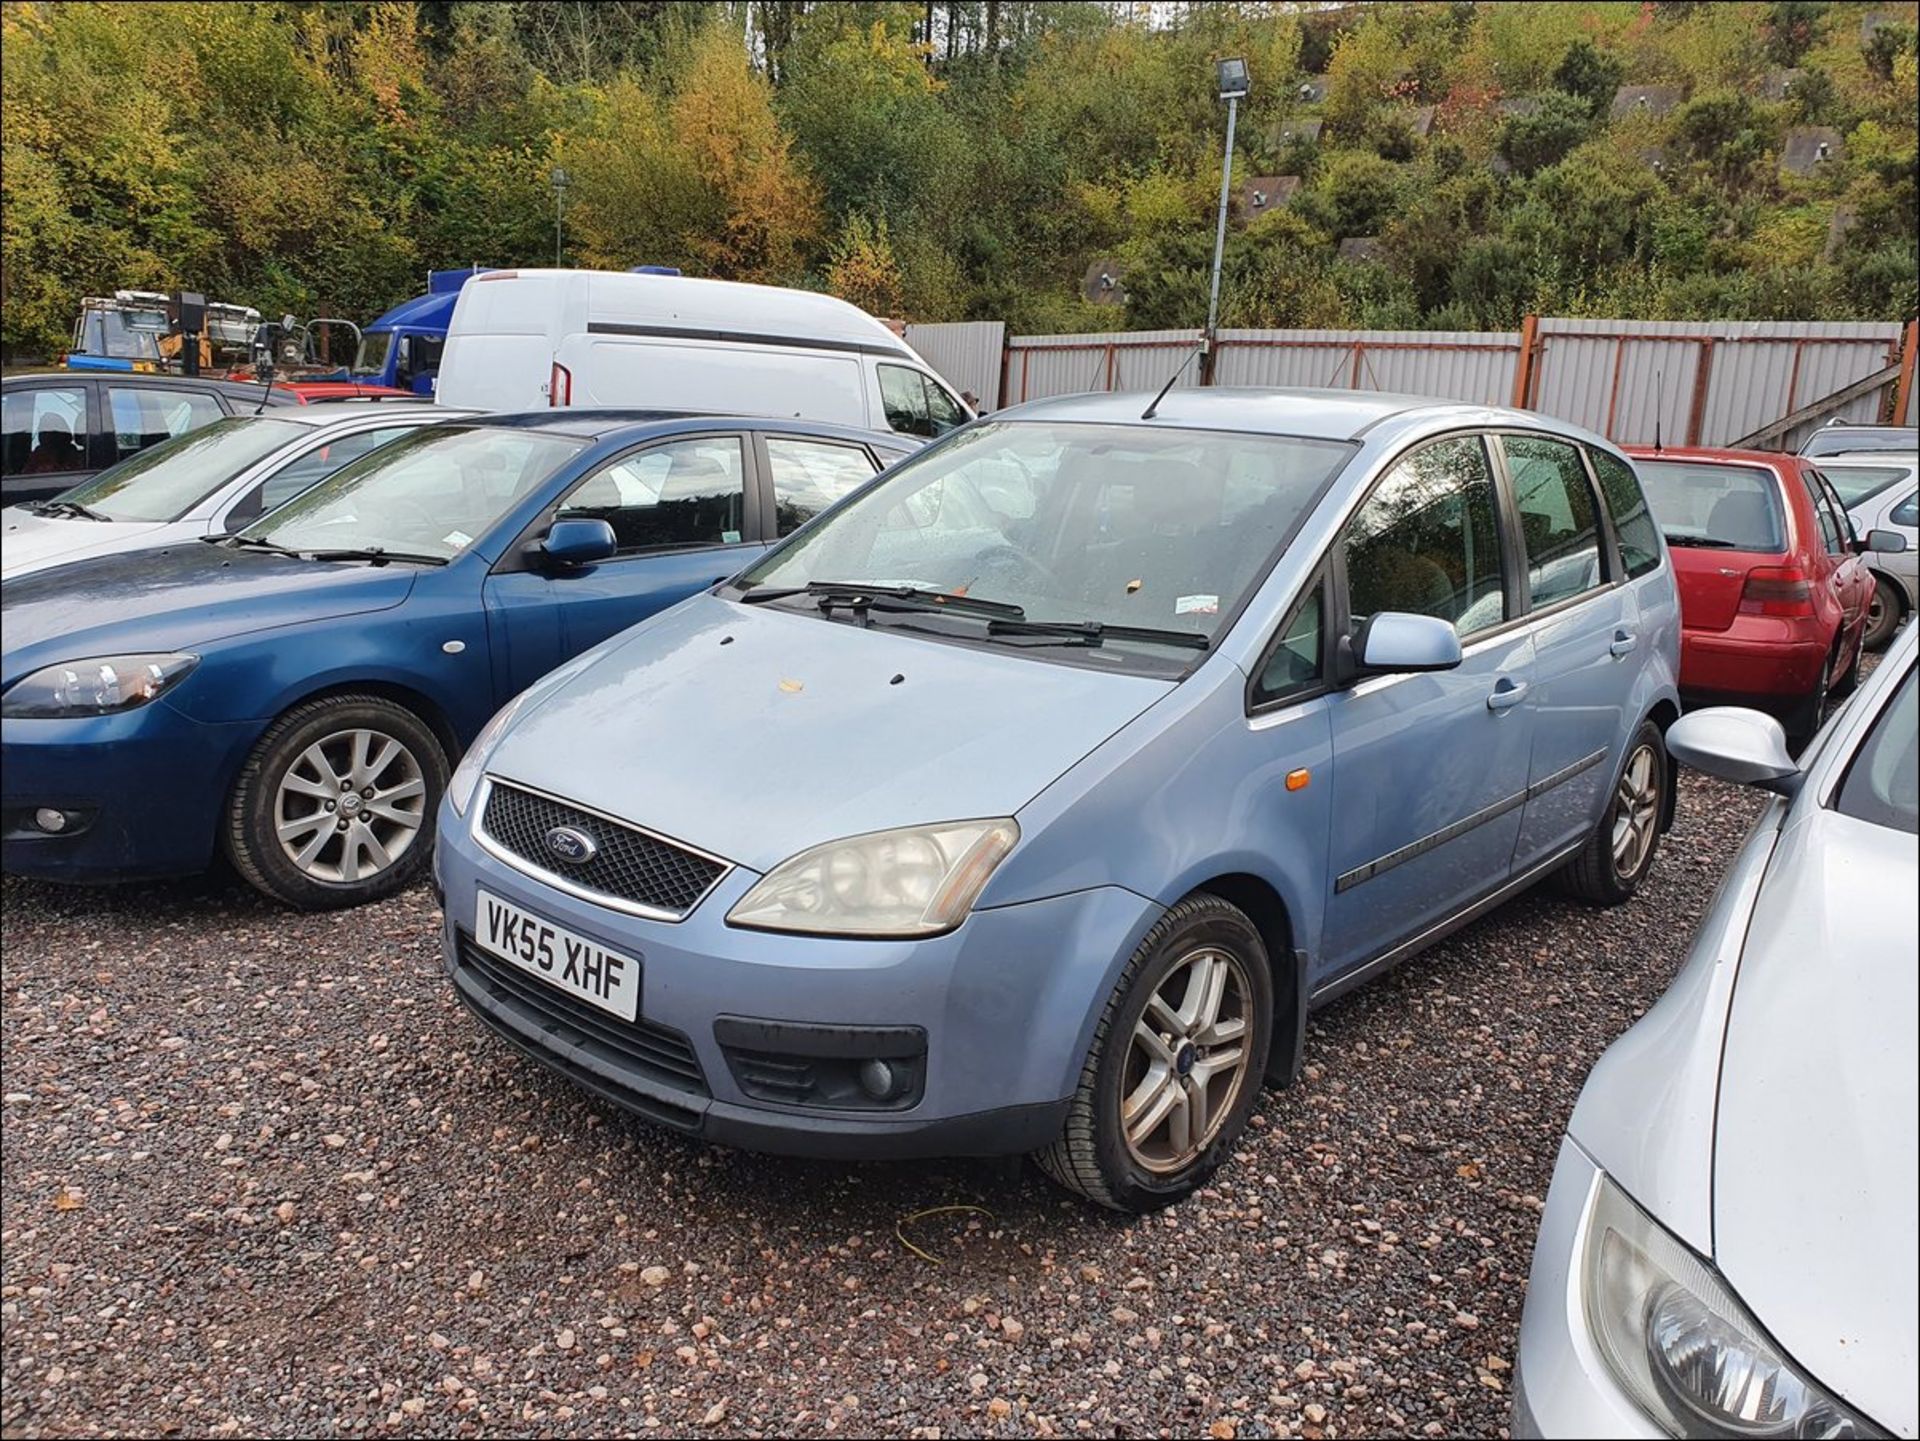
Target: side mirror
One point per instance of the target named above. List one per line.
(1887, 542)
(1736, 744)
(578, 542)
(1393, 642)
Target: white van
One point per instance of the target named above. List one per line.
(527, 339)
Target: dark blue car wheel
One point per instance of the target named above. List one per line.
(335, 806)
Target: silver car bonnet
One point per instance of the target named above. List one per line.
(1815, 1179)
(754, 733)
(30, 542)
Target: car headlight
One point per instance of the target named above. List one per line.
(99, 685)
(473, 764)
(917, 881)
(1681, 1343)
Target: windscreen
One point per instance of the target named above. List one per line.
(167, 480)
(430, 494)
(1856, 483)
(1732, 507)
(373, 352)
(1126, 525)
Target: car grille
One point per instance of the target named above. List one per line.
(637, 1051)
(629, 865)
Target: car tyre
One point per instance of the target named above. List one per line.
(1883, 615)
(1812, 712)
(335, 805)
(1195, 1000)
(1618, 855)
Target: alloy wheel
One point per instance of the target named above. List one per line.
(350, 805)
(1186, 1060)
(1636, 812)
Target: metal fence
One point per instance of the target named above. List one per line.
(1701, 383)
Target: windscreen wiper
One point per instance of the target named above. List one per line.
(67, 507)
(1706, 542)
(251, 542)
(1094, 632)
(378, 554)
(885, 597)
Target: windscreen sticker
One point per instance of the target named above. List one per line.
(1196, 605)
(730, 537)
(458, 539)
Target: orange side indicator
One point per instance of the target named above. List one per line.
(1297, 780)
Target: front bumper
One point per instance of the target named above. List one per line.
(151, 784)
(1562, 1387)
(1007, 1005)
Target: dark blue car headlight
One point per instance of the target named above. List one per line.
(99, 685)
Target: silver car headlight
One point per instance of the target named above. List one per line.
(466, 775)
(99, 685)
(916, 881)
(1683, 1346)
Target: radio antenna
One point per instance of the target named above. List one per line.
(1154, 404)
(1659, 404)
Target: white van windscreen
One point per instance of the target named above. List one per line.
(666, 375)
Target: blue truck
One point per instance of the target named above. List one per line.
(402, 347)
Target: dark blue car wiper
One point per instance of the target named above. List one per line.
(378, 554)
(1094, 632)
(857, 596)
(251, 542)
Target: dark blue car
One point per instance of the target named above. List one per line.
(296, 694)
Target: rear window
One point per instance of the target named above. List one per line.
(1856, 483)
(1835, 439)
(1729, 507)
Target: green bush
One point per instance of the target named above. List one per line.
(1548, 135)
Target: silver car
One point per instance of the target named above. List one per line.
(207, 482)
(1882, 492)
(1729, 1245)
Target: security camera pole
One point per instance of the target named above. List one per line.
(1233, 85)
(560, 180)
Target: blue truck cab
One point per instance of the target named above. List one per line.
(402, 347)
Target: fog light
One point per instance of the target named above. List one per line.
(50, 820)
(876, 1079)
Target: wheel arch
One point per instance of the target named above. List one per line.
(1664, 713)
(1264, 906)
(418, 702)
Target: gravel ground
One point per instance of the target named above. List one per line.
(263, 1176)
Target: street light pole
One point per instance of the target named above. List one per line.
(560, 180)
(1233, 85)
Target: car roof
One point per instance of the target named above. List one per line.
(1868, 457)
(1311, 413)
(239, 389)
(1712, 454)
(600, 424)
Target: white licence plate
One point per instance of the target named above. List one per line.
(559, 957)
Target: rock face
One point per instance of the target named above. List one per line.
(1359, 247)
(1102, 284)
(1292, 130)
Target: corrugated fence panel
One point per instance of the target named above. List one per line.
(1618, 376)
(1475, 366)
(966, 354)
(1043, 365)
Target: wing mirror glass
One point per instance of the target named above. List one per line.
(579, 542)
(1736, 744)
(1887, 542)
(1394, 642)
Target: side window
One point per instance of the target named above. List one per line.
(1294, 664)
(308, 470)
(145, 416)
(685, 493)
(1559, 525)
(810, 475)
(1633, 521)
(903, 395)
(45, 429)
(942, 408)
(1427, 541)
(1907, 512)
(1830, 529)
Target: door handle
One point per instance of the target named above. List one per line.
(1623, 641)
(1507, 694)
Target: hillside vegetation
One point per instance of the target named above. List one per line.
(320, 157)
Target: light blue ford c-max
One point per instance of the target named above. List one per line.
(1031, 797)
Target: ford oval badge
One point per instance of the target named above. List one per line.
(575, 847)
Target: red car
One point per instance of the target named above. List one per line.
(1773, 596)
